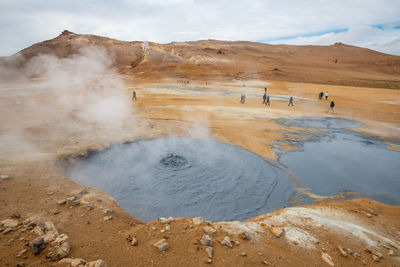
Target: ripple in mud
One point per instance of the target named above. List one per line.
(180, 176)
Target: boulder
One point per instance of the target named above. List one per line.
(327, 259)
(61, 249)
(161, 244)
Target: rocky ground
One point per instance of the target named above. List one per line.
(46, 219)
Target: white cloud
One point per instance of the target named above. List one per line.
(24, 22)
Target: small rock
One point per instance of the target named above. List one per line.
(84, 191)
(206, 241)
(11, 240)
(375, 258)
(21, 264)
(260, 254)
(98, 263)
(164, 220)
(327, 259)
(227, 242)
(9, 223)
(349, 251)
(209, 251)
(134, 241)
(276, 231)
(107, 218)
(38, 245)
(162, 231)
(89, 206)
(379, 255)
(61, 249)
(265, 262)
(62, 202)
(244, 254)
(73, 262)
(208, 261)
(50, 193)
(168, 228)
(341, 250)
(154, 228)
(16, 215)
(22, 252)
(105, 210)
(209, 230)
(197, 220)
(391, 252)
(369, 215)
(5, 177)
(356, 255)
(7, 230)
(244, 236)
(161, 244)
(170, 219)
(72, 201)
(237, 243)
(372, 211)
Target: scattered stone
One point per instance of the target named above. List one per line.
(72, 201)
(369, 215)
(209, 251)
(21, 253)
(16, 215)
(84, 191)
(162, 231)
(161, 244)
(327, 259)
(168, 228)
(134, 241)
(265, 262)
(379, 254)
(38, 245)
(341, 250)
(349, 251)
(73, 262)
(209, 230)
(98, 263)
(7, 230)
(375, 258)
(356, 255)
(208, 261)
(9, 223)
(260, 254)
(56, 212)
(89, 206)
(50, 193)
(206, 241)
(154, 228)
(170, 219)
(5, 177)
(12, 239)
(107, 218)
(391, 252)
(164, 220)
(62, 202)
(61, 249)
(227, 242)
(197, 220)
(237, 243)
(21, 264)
(105, 210)
(244, 236)
(47, 231)
(244, 254)
(276, 231)
(372, 211)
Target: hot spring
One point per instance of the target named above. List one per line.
(181, 176)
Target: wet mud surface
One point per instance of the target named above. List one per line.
(181, 176)
(337, 160)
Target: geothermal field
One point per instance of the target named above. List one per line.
(118, 153)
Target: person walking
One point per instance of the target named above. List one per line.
(290, 101)
(264, 97)
(134, 96)
(326, 96)
(267, 102)
(331, 106)
(265, 90)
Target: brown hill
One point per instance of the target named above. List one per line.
(226, 60)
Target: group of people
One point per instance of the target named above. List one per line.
(321, 95)
(266, 99)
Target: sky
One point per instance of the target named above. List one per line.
(373, 24)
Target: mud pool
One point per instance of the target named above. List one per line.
(181, 176)
(343, 161)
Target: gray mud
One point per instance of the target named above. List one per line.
(343, 161)
(181, 176)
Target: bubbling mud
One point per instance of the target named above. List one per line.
(182, 176)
